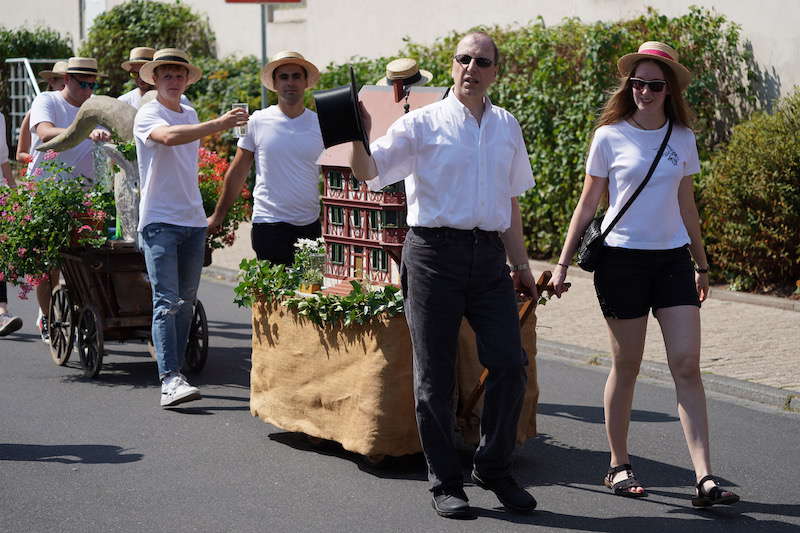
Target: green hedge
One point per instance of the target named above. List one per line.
(144, 23)
(555, 80)
(753, 201)
(39, 42)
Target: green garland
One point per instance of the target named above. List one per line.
(262, 281)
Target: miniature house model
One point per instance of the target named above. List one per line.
(364, 230)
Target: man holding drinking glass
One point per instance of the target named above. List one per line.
(139, 56)
(172, 222)
(464, 162)
(285, 142)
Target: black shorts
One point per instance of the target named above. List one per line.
(274, 241)
(631, 282)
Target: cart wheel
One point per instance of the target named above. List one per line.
(90, 341)
(61, 320)
(197, 347)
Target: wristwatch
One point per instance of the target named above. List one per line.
(700, 270)
(523, 266)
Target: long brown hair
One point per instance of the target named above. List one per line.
(621, 106)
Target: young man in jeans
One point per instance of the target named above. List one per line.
(172, 222)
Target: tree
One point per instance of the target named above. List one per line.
(144, 23)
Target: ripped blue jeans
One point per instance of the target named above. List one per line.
(174, 258)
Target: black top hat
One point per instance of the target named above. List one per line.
(339, 119)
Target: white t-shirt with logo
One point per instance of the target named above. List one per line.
(287, 175)
(623, 154)
(51, 106)
(167, 174)
(3, 144)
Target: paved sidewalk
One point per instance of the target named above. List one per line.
(745, 337)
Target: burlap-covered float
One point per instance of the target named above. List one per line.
(353, 385)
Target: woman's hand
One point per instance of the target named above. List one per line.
(703, 289)
(558, 280)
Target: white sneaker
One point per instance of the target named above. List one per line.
(44, 330)
(175, 389)
(9, 324)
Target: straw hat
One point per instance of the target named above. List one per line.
(82, 65)
(59, 69)
(660, 52)
(138, 56)
(287, 57)
(170, 56)
(405, 69)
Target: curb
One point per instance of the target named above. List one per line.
(221, 274)
(718, 292)
(783, 399)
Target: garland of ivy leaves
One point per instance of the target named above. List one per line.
(264, 282)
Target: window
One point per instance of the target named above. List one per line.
(355, 185)
(336, 215)
(395, 187)
(389, 219)
(374, 219)
(337, 253)
(379, 260)
(335, 179)
(356, 213)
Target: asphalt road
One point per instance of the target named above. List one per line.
(100, 455)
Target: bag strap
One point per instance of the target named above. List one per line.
(641, 185)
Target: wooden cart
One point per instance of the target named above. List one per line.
(107, 296)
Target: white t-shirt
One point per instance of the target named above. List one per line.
(623, 154)
(287, 176)
(458, 173)
(134, 98)
(167, 174)
(51, 106)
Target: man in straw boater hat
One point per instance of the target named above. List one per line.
(464, 162)
(27, 141)
(51, 113)
(139, 56)
(172, 222)
(285, 142)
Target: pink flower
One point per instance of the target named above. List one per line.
(21, 252)
(37, 171)
(2, 276)
(27, 218)
(50, 154)
(30, 185)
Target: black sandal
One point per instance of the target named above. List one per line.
(622, 488)
(715, 496)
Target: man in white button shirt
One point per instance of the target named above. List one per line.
(464, 163)
(285, 141)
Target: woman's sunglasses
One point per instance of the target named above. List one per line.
(654, 85)
(465, 59)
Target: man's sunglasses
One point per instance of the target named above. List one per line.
(654, 85)
(465, 59)
(88, 84)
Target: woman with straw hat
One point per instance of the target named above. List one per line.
(652, 257)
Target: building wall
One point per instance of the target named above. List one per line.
(335, 30)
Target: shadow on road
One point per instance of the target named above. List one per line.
(68, 453)
(594, 414)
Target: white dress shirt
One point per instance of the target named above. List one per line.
(458, 174)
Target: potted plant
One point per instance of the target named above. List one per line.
(211, 176)
(309, 260)
(39, 219)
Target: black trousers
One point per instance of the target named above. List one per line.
(448, 274)
(3, 292)
(274, 241)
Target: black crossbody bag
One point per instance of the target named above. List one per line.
(590, 248)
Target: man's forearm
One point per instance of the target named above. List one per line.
(363, 165)
(513, 239)
(186, 133)
(234, 181)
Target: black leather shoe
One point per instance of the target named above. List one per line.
(452, 503)
(511, 495)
